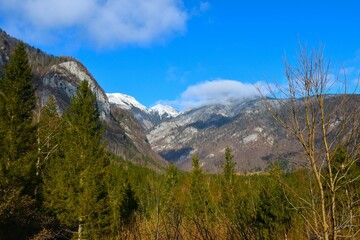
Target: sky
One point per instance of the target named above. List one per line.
(187, 53)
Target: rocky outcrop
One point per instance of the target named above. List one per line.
(65, 77)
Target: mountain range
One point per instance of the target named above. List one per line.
(161, 134)
(244, 125)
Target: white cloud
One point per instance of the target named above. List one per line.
(104, 22)
(211, 92)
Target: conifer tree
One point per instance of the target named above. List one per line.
(228, 200)
(198, 190)
(18, 212)
(201, 209)
(17, 133)
(74, 181)
(129, 204)
(227, 182)
(172, 177)
(229, 167)
(174, 209)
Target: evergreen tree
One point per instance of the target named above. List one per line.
(229, 167)
(172, 177)
(201, 209)
(17, 132)
(129, 204)
(228, 196)
(18, 208)
(273, 217)
(74, 181)
(198, 191)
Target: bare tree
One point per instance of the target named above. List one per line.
(321, 121)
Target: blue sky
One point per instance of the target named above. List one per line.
(186, 53)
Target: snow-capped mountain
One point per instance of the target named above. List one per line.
(242, 125)
(147, 117)
(125, 101)
(164, 111)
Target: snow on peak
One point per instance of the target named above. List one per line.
(164, 111)
(125, 101)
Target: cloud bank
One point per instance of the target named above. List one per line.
(218, 91)
(103, 22)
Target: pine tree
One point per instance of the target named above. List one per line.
(229, 204)
(18, 207)
(198, 190)
(17, 132)
(129, 204)
(200, 204)
(74, 181)
(228, 196)
(172, 177)
(273, 215)
(229, 167)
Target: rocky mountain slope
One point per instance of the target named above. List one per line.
(60, 76)
(244, 125)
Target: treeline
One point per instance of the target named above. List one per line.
(57, 181)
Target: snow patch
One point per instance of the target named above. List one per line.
(125, 101)
(251, 138)
(259, 129)
(164, 111)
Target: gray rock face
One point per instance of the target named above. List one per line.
(244, 126)
(66, 76)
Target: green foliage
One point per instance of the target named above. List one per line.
(229, 167)
(273, 218)
(346, 168)
(77, 192)
(199, 195)
(17, 133)
(228, 184)
(200, 205)
(229, 203)
(172, 176)
(128, 205)
(18, 206)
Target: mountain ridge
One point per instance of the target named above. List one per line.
(60, 76)
(148, 118)
(245, 125)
